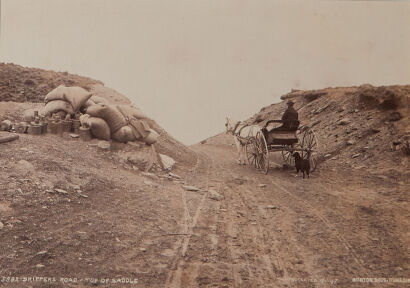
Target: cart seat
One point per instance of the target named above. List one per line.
(282, 137)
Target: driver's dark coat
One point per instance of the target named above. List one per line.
(290, 114)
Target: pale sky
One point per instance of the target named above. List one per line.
(190, 63)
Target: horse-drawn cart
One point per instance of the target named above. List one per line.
(287, 141)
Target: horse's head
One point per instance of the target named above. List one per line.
(230, 125)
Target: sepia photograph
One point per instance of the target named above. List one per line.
(204, 143)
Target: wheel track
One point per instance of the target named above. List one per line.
(231, 246)
(308, 207)
(175, 275)
(262, 243)
(260, 237)
(329, 225)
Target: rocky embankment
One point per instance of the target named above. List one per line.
(363, 127)
(23, 88)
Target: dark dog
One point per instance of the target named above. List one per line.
(301, 164)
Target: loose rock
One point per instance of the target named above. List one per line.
(215, 195)
(104, 145)
(344, 121)
(82, 235)
(315, 123)
(321, 109)
(190, 188)
(395, 116)
(167, 162)
(239, 181)
(24, 167)
(150, 183)
(150, 175)
(76, 187)
(5, 125)
(61, 191)
(174, 175)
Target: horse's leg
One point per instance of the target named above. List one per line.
(241, 152)
(243, 155)
(238, 149)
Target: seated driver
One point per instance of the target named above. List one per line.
(290, 118)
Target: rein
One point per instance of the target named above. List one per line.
(242, 140)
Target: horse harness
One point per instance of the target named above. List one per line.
(242, 141)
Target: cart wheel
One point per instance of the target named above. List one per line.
(287, 155)
(251, 153)
(263, 153)
(310, 146)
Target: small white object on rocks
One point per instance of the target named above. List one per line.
(1, 225)
(74, 135)
(39, 266)
(167, 162)
(356, 155)
(262, 185)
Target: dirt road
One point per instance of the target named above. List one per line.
(277, 230)
(241, 229)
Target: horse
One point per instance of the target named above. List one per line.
(241, 132)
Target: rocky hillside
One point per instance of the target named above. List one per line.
(357, 127)
(22, 84)
(23, 88)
